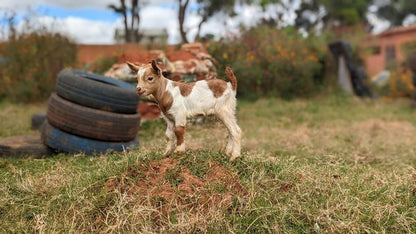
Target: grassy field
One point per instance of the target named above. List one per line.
(331, 164)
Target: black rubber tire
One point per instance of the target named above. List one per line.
(37, 120)
(24, 146)
(68, 143)
(91, 123)
(95, 91)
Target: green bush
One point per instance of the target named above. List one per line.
(31, 62)
(101, 65)
(271, 62)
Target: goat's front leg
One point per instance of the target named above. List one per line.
(179, 133)
(170, 137)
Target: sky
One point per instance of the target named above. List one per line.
(92, 22)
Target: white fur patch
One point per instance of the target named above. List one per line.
(200, 101)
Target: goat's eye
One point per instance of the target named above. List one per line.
(149, 78)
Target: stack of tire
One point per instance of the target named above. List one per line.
(91, 114)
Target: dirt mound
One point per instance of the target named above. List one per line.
(140, 57)
(179, 55)
(171, 184)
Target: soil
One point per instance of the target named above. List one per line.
(180, 55)
(139, 57)
(172, 184)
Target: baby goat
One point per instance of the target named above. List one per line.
(177, 101)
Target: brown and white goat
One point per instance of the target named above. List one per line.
(177, 101)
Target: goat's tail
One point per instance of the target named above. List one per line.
(231, 77)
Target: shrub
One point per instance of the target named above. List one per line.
(271, 62)
(31, 62)
(101, 65)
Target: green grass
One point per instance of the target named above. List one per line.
(330, 164)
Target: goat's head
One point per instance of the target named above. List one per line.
(149, 77)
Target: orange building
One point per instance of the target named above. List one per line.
(387, 48)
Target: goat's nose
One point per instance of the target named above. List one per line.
(139, 89)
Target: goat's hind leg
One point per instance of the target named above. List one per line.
(233, 147)
(180, 143)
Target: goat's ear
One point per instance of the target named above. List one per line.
(155, 67)
(133, 67)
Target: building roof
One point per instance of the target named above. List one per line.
(398, 30)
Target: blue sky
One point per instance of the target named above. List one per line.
(99, 14)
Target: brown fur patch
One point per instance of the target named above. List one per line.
(185, 88)
(163, 98)
(165, 104)
(179, 132)
(217, 87)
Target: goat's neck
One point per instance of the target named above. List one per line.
(161, 94)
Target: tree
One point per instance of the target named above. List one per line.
(131, 31)
(331, 12)
(207, 8)
(395, 11)
(210, 7)
(183, 4)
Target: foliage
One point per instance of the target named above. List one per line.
(399, 84)
(102, 65)
(343, 12)
(395, 11)
(206, 9)
(271, 62)
(408, 48)
(31, 62)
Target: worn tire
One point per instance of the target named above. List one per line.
(91, 123)
(24, 146)
(69, 143)
(95, 91)
(37, 120)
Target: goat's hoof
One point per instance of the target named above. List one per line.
(179, 152)
(168, 153)
(180, 149)
(234, 157)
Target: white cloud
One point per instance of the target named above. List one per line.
(379, 24)
(154, 17)
(23, 5)
(78, 29)
(410, 19)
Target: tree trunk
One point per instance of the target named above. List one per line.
(181, 17)
(126, 27)
(134, 5)
(197, 36)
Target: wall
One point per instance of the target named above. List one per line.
(375, 63)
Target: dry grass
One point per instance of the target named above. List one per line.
(326, 165)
